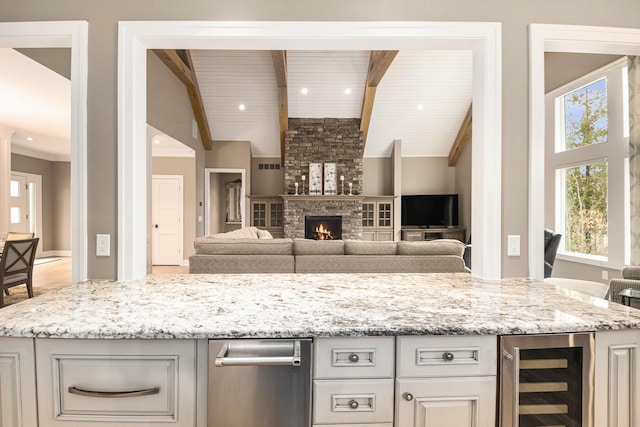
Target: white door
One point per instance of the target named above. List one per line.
(167, 232)
(19, 204)
(26, 205)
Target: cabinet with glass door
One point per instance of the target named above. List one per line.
(267, 213)
(377, 218)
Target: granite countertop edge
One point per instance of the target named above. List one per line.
(301, 306)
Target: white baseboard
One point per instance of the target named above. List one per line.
(55, 253)
(185, 263)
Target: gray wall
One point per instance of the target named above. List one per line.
(266, 182)
(463, 187)
(377, 179)
(515, 17)
(428, 175)
(560, 68)
(56, 59)
(169, 110)
(56, 199)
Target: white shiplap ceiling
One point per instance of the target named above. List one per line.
(441, 81)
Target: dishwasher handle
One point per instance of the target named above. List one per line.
(263, 358)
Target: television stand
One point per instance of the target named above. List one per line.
(418, 233)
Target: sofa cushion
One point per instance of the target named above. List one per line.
(318, 247)
(432, 247)
(361, 247)
(217, 246)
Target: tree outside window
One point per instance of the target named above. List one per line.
(586, 191)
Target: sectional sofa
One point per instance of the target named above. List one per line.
(256, 255)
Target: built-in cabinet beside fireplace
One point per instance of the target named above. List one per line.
(377, 218)
(267, 213)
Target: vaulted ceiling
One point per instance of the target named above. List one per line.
(421, 99)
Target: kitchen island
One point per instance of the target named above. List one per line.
(156, 330)
(310, 305)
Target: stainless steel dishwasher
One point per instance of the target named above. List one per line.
(264, 383)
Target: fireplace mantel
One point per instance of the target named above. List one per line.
(321, 197)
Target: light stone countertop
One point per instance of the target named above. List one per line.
(309, 305)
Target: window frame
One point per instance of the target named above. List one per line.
(614, 151)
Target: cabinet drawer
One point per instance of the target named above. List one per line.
(115, 382)
(353, 401)
(349, 357)
(440, 356)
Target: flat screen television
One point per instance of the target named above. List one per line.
(430, 210)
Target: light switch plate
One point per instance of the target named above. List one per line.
(513, 245)
(103, 245)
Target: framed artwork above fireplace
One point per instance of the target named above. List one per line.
(315, 178)
(330, 179)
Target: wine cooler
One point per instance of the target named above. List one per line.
(547, 380)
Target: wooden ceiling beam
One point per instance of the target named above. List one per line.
(184, 71)
(463, 138)
(280, 68)
(379, 62)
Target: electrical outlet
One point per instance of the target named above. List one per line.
(103, 245)
(513, 245)
(605, 275)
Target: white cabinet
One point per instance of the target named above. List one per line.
(446, 402)
(617, 379)
(18, 404)
(446, 381)
(113, 383)
(377, 218)
(353, 382)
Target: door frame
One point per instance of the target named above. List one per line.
(207, 195)
(180, 178)
(558, 38)
(74, 35)
(484, 39)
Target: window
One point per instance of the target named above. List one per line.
(585, 208)
(587, 143)
(585, 116)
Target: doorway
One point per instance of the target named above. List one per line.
(224, 200)
(481, 37)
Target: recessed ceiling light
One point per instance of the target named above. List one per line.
(304, 90)
(420, 107)
(241, 107)
(347, 91)
(29, 138)
(156, 141)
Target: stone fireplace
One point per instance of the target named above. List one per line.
(323, 227)
(325, 140)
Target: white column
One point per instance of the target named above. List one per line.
(5, 176)
(634, 155)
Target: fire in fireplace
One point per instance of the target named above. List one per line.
(327, 227)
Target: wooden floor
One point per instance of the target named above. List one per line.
(57, 273)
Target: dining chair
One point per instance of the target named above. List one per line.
(12, 235)
(16, 265)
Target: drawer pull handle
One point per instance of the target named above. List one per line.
(353, 404)
(408, 397)
(114, 394)
(448, 356)
(354, 358)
